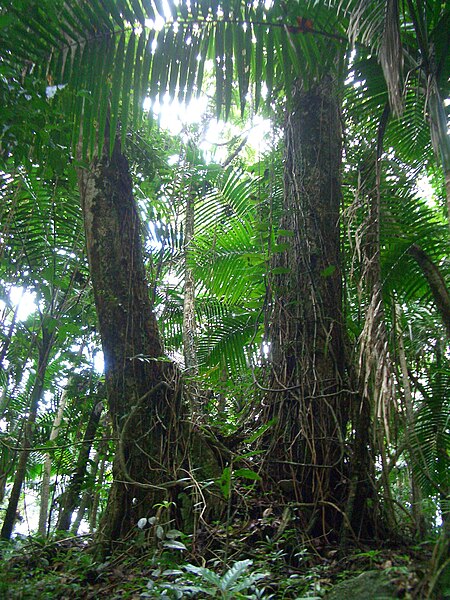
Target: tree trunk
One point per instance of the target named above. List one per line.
(88, 494)
(189, 322)
(72, 493)
(436, 281)
(8, 338)
(11, 510)
(143, 389)
(98, 483)
(45, 485)
(416, 493)
(309, 396)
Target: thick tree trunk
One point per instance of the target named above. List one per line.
(309, 396)
(143, 390)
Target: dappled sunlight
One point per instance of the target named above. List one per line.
(24, 300)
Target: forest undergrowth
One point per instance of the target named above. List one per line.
(261, 557)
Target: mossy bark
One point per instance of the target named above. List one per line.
(143, 389)
(310, 395)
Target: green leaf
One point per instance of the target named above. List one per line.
(116, 89)
(83, 18)
(184, 11)
(193, 66)
(167, 49)
(247, 582)
(159, 8)
(91, 100)
(138, 12)
(116, 15)
(247, 474)
(194, 9)
(102, 15)
(174, 545)
(205, 574)
(280, 271)
(228, 67)
(229, 579)
(179, 50)
(148, 9)
(126, 11)
(218, 67)
(328, 271)
(201, 65)
(259, 31)
(126, 89)
(260, 431)
(269, 65)
(148, 56)
(5, 20)
(248, 46)
(239, 53)
(276, 248)
(225, 482)
(172, 534)
(204, 4)
(104, 99)
(78, 98)
(137, 81)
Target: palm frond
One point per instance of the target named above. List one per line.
(117, 53)
(430, 439)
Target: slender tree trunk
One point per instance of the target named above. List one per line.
(45, 485)
(306, 452)
(375, 361)
(143, 390)
(36, 394)
(436, 281)
(98, 482)
(88, 494)
(439, 132)
(416, 494)
(7, 339)
(72, 493)
(189, 322)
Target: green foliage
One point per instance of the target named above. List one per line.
(101, 60)
(118, 55)
(236, 582)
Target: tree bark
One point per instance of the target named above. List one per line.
(309, 396)
(189, 321)
(143, 389)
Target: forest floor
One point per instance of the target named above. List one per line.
(66, 567)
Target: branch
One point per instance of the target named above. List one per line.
(436, 282)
